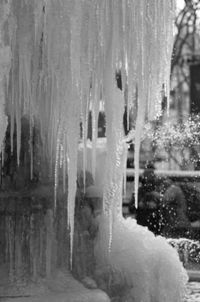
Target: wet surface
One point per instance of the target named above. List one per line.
(61, 287)
(192, 295)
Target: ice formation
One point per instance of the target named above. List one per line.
(140, 266)
(5, 62)
(65, 55)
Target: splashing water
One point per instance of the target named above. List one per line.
(187, 249)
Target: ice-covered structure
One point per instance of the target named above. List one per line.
(58, 61)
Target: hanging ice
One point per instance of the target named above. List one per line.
(65, 55)
(5, 62)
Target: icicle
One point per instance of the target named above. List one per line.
(49, 220)
(2, 156)
(95, 114)
(57, 167)
(52, 118)
(31, 146)
(114, 107)
(110, 230)
(85, 136)
(124, 172)
(10, 245)
(5, 62)
(138, 133)
(12, 114)
(72, 177)
(61, 156)
(38, 12)
(64, 164)
(18, 124)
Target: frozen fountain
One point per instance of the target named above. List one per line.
(58, 62)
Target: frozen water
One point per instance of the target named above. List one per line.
(64, 60)
(5, 63)
(139, 265)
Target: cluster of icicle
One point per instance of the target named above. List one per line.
(65, 54)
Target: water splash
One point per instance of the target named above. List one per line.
(188, 249)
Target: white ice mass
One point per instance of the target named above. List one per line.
(58, 61)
